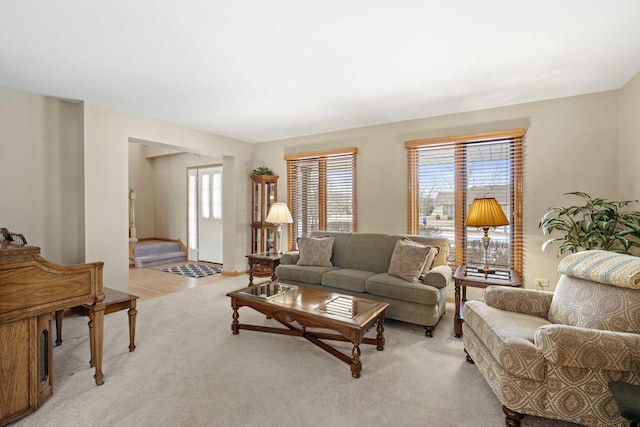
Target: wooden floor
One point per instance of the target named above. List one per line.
(151, 282)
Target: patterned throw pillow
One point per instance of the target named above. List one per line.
(408, 259)
(315, 251)
(431, 259)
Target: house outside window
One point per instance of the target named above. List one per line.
(447, 174)
(321, 190)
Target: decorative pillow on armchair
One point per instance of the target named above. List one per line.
(315, 251)
(408, 259)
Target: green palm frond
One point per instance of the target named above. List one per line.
(596, 224)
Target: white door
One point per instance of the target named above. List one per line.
(207, 208)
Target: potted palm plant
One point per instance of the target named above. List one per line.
(596, 224)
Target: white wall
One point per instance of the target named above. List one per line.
(630, 139)
(630, 143)
(170, 207)
(571, 144)
(142, 181)
(41, 152)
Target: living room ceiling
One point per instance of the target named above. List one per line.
(263, 70)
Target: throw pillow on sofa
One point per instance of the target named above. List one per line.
(408, 259)
(315, 251)
(431, 259)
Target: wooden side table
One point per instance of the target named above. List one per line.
(263, 261)
(469, 276)
(113, 301)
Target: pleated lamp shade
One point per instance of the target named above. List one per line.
(486, 212)
(279, 214)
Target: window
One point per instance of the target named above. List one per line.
(446, 174)
(321, 192)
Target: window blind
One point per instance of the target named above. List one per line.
(447, 174)
(321, 190)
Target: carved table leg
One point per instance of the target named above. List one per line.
(97, 330)
(92, 344)
(235, 324)
(356, 364)
(132, 325)
(59, 315)
(457, 320)
(380, 336)
(252, 266)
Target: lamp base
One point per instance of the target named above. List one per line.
(486, 270)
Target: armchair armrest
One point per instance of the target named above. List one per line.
(589, 348)
(519, 300)
(290, 257)
(439, 277)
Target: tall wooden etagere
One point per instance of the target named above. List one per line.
(264, 193)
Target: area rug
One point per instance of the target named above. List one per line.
(194, 270)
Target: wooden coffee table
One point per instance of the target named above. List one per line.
(351, 317)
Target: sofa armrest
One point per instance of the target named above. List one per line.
(519, 300)
(290, 257)
(589, 348)
(439, 277)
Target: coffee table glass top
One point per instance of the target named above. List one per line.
(268, 290)
(346, 306)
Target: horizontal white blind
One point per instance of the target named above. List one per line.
(446, 176)
(322, 193)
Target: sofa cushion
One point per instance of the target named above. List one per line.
(301, 274)
(408, 259)
(509, 337)
(347, 279)
(367, 251)
(386, 285)
(315, 251)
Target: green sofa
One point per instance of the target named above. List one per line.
(360, 262)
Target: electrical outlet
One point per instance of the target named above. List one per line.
(542, 283)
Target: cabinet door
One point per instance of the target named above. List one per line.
(257, 215)
(269, 198)
(14, 370)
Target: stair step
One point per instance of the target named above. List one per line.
(159, 259)
(145, 248)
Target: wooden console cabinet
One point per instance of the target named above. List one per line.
(31, 289)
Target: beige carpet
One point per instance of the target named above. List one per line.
(190, 370)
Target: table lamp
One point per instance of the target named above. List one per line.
(486, 213)
(279, 214)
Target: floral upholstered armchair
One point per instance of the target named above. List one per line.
(553, 354)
